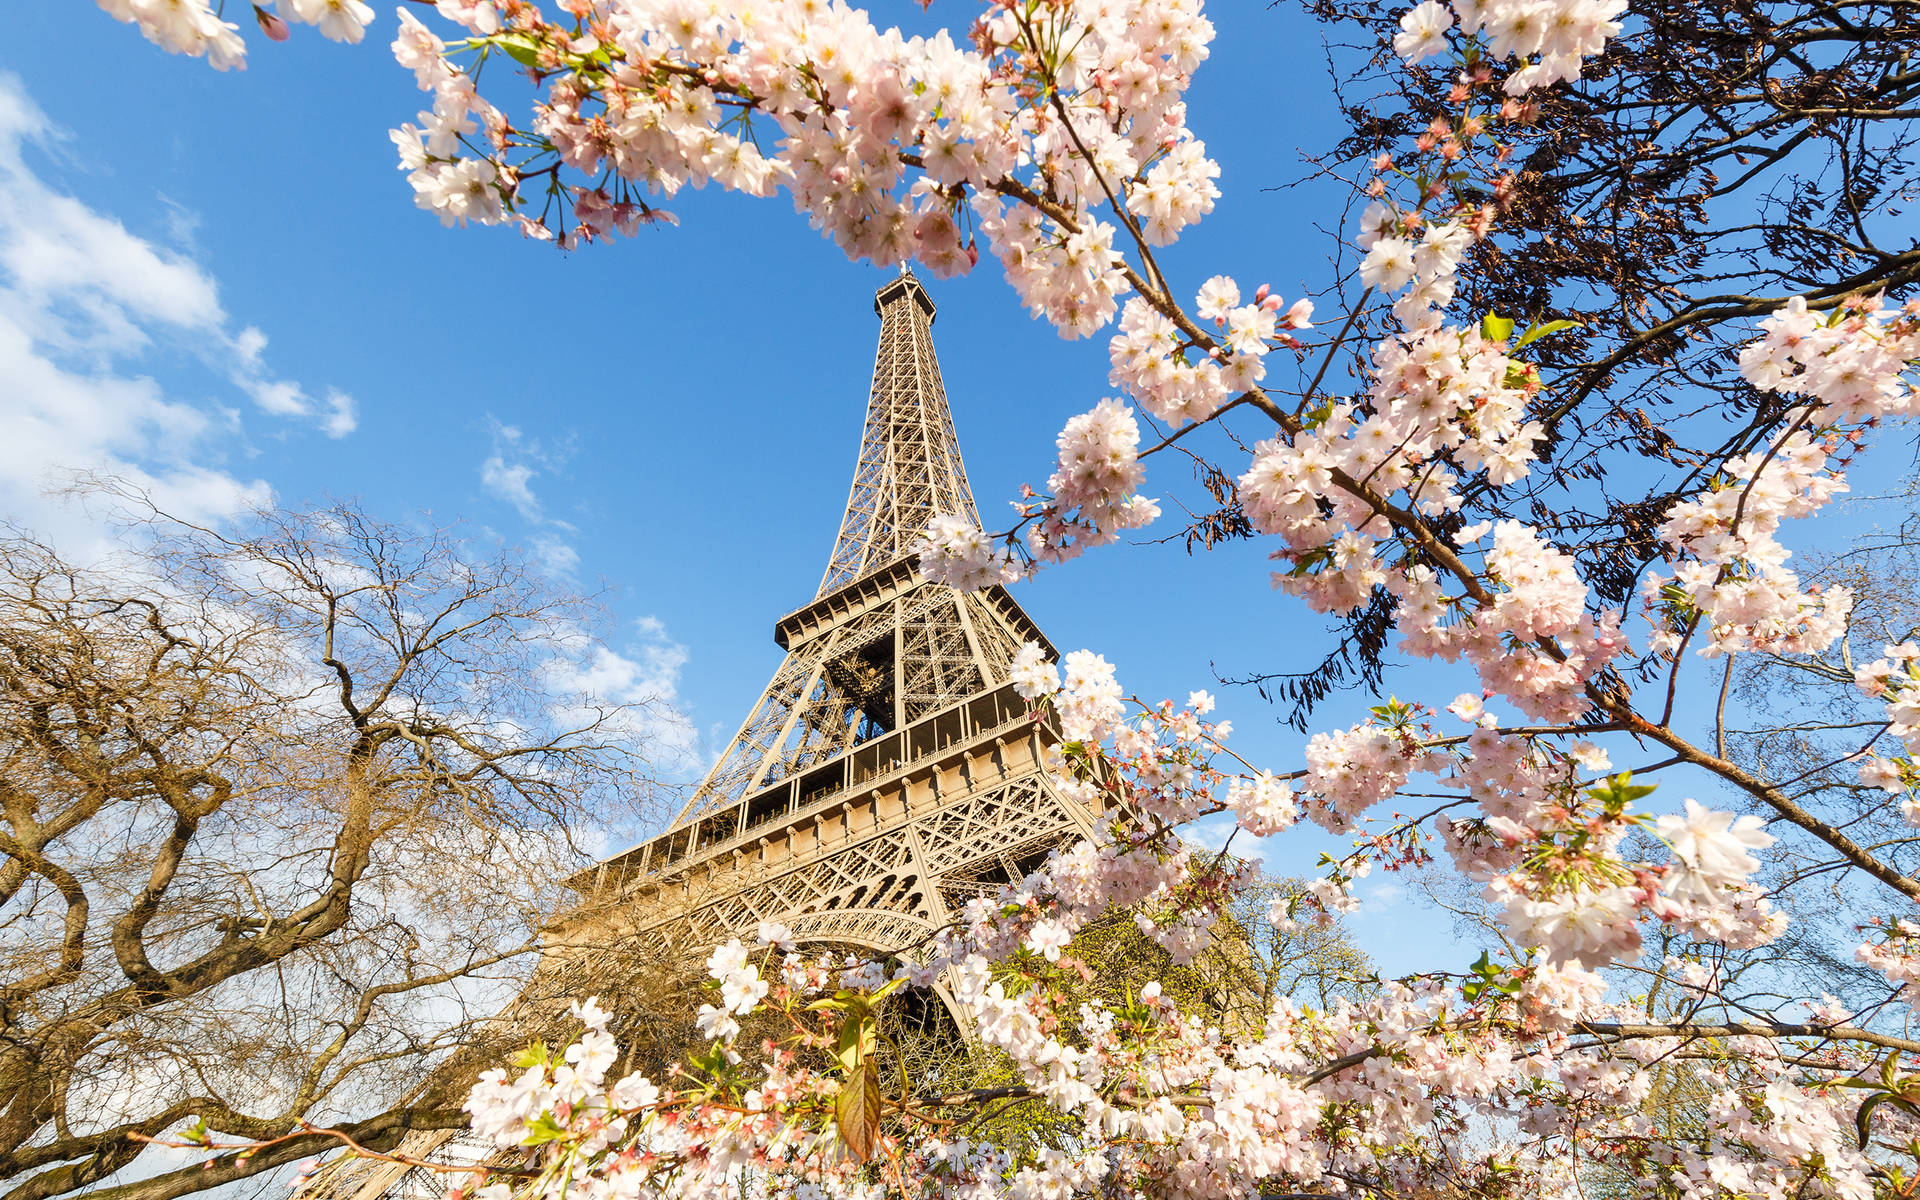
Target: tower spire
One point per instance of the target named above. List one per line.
(909, 468)
(879, 648)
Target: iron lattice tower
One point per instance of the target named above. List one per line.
(887, 773)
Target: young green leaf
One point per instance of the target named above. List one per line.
(1540, 329)
(856, 1111)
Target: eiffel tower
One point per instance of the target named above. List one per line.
(887, 774)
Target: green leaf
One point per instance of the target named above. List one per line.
(713, 1061)
(541, 1130)
(535, 1055)
(1393, 712)
(856, 1111)
(1538, 330)
(1309, 561)
(1864, 1117)
(1616, 793)
(1496, 328)
(519, 47)
(856, 1039)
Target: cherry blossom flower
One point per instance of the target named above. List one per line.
(1711, 851)
(1423, 31)
(340, 20)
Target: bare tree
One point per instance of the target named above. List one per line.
(286, 809)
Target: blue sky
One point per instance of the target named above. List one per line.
(673, 417)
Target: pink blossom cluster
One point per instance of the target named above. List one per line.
(898, 148)
(1350, 771)
(1712, 851)
(741, 989)
(1095, 487)
(1160, 1101)
(959, 554)
(588, 1140)
(1896, 956)
(1734, 580)
(1262, 803)
(1762, 1135)
(1853, 359)
(1550, 851)
(1550, 38)
(1895, 679)
(189, 27)
(1533, 639)
(1521, 619)
(194, 28)
(1730, 575)
(1032, 674)
(588, 1115)
(1088, 703)
(1180, 379)
(456, 188)
(1547, 845)
(1404, 250)
(1438, 396)
(1094, 493)
(339, 20)
(1547, 849)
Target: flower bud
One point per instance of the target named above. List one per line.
(271, 25)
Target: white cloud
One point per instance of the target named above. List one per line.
(641, 675)
(510, 483)
(508, 473)
(1382, 896)
(83, 300)
(342, 416)
(556, 556)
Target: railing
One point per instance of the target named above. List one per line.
(816, 790)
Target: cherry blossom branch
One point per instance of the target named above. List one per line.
(1766, 1029)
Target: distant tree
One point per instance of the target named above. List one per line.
(1247, 962)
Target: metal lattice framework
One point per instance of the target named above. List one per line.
(909, 469)
(887, 774)
(877, 649)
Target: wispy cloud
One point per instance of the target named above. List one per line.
(507, 474)
(511, 482)
(557, 557)
(640, 674)
(83, 302)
